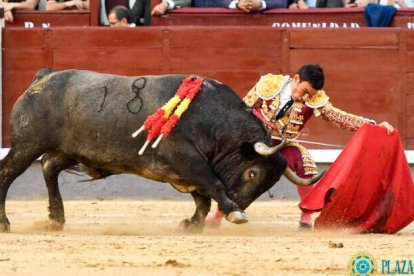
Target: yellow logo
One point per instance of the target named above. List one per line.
(362, 264)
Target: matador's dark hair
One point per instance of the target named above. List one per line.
(312, 73)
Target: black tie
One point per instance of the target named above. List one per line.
(284, 109)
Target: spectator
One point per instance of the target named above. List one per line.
(302, 4)
(256, 5)
(330, 3)
(141, 12)
(244, 5)
(360, 3)
(398, 3)
(17, 5)
(165, 5)
(120, 16)
(55, 5)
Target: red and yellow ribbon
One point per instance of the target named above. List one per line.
(162, 121)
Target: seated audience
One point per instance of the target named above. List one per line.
(244, 5)
(165, 5)
(398, 3)
(330, 4)
(55, 5)
(301, 4)
(17, 5)
(140, 10)
(360, 3)
(256, 5)
(120, 16)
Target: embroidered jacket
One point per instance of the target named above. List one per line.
(264, 99)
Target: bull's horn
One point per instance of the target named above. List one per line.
(291, 175)
(265, 150)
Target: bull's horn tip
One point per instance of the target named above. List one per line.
(261, 148)
(318, 177)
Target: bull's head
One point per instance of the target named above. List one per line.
(264, 167)
(264, 150)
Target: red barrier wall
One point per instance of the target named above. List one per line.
(342, 17)
(369, 71)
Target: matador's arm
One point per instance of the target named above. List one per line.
(341, 118)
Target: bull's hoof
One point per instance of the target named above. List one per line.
(5, 226)
(56, 222)
(55, 226)
(191, 227)
(237, 217)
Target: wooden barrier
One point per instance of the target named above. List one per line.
(329, 17)
(369, 71)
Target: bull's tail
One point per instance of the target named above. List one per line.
(42, 73)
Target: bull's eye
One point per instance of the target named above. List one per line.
(252, 174)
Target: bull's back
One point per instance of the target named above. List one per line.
(75, 106)
(101, 112)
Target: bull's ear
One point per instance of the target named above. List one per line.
(248, 151)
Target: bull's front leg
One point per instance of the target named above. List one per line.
(196, 222)
(231, 210)
(199, 173)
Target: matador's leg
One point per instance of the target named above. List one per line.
(300, 161)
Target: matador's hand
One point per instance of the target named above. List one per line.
(389, 127)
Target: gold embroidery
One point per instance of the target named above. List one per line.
(343, 119)
(318, 100)
(251, 97)
(292, 129)
(269, 112)
(269, 86)
(297, 119)
(309, 165)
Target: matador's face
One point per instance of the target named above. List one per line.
(301, 90)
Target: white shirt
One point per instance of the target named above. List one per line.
(311, 3)
(285, 96)
(409, 3)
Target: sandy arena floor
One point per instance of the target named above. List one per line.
(115, 237)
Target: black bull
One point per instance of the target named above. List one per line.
(85, 119)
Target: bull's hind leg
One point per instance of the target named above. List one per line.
(52, 164)
(196, 222)
(13, 165)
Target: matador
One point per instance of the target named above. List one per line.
(284, 104)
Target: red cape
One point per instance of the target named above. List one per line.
(368, 188)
